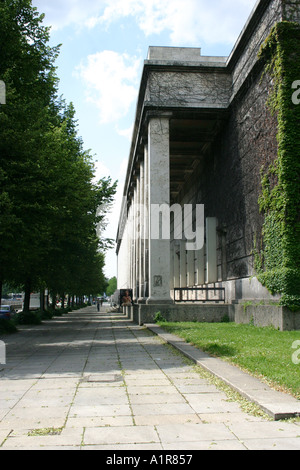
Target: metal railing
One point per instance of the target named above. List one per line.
(199, 294)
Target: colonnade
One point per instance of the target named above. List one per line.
(150, 265)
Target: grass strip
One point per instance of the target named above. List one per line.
(266, 353)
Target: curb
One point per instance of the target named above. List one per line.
(276, 404)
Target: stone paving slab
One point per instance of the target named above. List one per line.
(278, 405)
(97, 381)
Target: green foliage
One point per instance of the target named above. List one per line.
(7, 326)
(28, 318)
(47, 314)
(159, 318)
(49, 200)
(279, 267)
(112, 286)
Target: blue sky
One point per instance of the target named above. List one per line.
(104, 44)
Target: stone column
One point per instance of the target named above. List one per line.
(141, 236)
(200, 267)
(131, 244)
(124, 254)
(171, 268)
(183, 267)
(146, 222)
(128, 264)
(176, 249)
(211, 250)
(159, 193)
(137, 236)
(190, 268)
(134, 256)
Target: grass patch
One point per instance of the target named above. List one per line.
(45, 432)
(264, 352)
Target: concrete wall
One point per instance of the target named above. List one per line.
(189, 89)
(256, 314)
(229, 186)
(184, 54)
(229, 181)
(267, 315)
(244, 54)
(291, 10)
(183, 312)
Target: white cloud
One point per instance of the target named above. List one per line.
(111, 82)
(61, 13)
(127, 133)
(189, 22)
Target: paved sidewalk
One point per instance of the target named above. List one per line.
(95, 381)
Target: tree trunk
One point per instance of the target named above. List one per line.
(27, 295)
(53, 297)
(42, 300)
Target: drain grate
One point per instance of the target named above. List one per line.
(103, 378)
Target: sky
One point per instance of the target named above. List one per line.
(103, 46)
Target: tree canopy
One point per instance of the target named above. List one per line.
(49, 198)
(112, 286)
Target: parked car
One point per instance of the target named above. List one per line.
(6, 312)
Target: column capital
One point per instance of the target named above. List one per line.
(154, 114)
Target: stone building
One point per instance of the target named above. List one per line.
(202, 134)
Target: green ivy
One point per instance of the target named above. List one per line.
(280, 201)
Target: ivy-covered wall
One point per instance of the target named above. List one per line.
(278, 264)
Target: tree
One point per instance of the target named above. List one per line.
(73, 216)
(112, 286)
(48, 198)
(26, 66)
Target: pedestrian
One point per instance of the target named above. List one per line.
(98, 305)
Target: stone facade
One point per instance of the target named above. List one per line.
(202, 135)
(229, 184)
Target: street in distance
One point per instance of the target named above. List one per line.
(160, 459)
